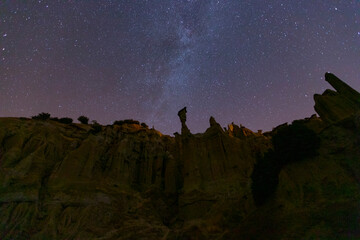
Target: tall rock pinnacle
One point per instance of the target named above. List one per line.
(182, 115)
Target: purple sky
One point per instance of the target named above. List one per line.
(252, 62)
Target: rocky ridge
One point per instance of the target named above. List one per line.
(66, 181)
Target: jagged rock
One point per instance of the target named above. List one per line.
(342, 88)
(182, 115)
(239, 132)
(333, 106)
(214, 127)
(213, 122)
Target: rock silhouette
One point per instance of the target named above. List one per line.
(182, 115)
(126, 181)
(333, 106)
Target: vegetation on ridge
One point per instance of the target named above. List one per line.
(83, 119)
(42, 116)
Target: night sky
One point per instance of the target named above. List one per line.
(255, 63)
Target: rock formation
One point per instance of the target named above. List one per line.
(182, 115)
(239, 132)
(333, 106)
(67, 181)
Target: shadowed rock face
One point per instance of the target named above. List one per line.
(333, 106)
(126, 181)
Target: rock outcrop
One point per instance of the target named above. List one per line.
(333, 106)
(182, 115)
(67, 181)
(239, 132)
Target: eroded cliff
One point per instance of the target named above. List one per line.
(299, 181)
(64, 181)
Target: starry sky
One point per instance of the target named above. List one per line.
(251, 62)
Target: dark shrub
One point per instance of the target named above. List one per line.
(65, 120)
(42, 116)
(119, 122)
(126, 121)
(131, 121)
(144, 125)
(83, 119)
(96, 127)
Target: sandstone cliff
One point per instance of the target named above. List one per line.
(299, 181)
(63, 181)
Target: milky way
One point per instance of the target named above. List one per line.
(255, 63)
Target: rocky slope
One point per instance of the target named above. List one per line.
(70, 181)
